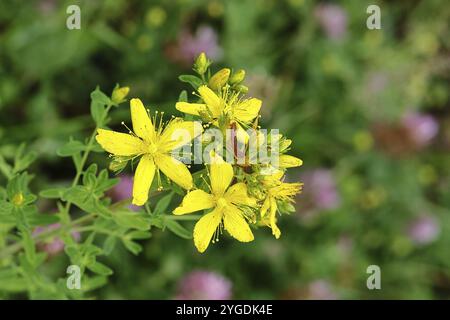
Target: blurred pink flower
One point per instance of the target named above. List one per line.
(124, 190)
(424, 230)
(188, 46)
(204, 285)
(46, 6)
(320, 290)
(422, 128)
(319, 191)
(333, 20)
(56, 245)
(377, 82)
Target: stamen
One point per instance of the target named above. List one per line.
(206, 182)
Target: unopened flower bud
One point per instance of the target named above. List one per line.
(118, 164)
(18, 199)
(219, 79)
(237, 77)
(201, 63)
(242, 89)
(119, 94)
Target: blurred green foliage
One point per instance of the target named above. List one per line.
(326, 94)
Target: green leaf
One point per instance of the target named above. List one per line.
(5, 168)
(131, 219)
(99, 268)
(109, 244)
(10, 281)
(163, 204)
(77, 159)
(52, 193)
(21, 160)
(157, 221)
(178, 229)
(139, 235)
(132, 246)
(98, 96)
(42, 219)
(98, 102)
(92, 283)
(71, 148)
(194, 81)
(29, 246)
(5, 208)
(183, 96)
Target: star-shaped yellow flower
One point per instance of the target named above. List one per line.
(229, 106)
(276, 190)
(154, 145)
(225, 202)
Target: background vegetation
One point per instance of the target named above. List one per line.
(368, 112)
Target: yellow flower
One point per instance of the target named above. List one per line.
(226, 106)
(154, 145)
(119, 94)
(287, 161)
(276, 190)
(225, 201)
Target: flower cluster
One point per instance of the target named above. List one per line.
(235, 191)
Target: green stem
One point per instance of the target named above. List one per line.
(45, 235)
(66, 222)
(65, 215)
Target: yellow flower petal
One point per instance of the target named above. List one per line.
(236, 225)
(241, 134)
(143, 178)
(273, 219)
(247, 110)
(215, 103)
(287, 161)
(205, 228)
(194, 201)
(120, 144)
(237, 194)
(174, 170)
(221, 175)
(142, 125)
(265, 207)
(191, 108)
(178, 133)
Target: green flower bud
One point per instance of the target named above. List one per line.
(201, 64)
(119, 94)
(118, 164)
(17, 200)
(242, 89)
(237, 77)
(219, 79)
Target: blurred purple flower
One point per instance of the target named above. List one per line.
(422, 128)
(46, 6)
(124, 190)
(321, 290)
(423, 230)
(56, 245)
(377, 82)
(204, 285)
(188, 46)
(333, 20)
(319, 190)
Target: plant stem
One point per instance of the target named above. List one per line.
(45, 235)
(65, 215)
(66, 222)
